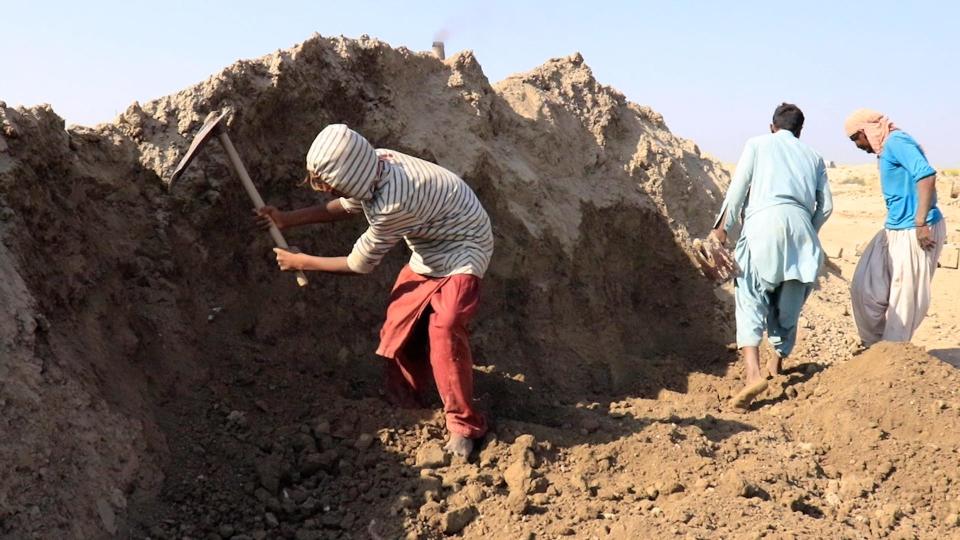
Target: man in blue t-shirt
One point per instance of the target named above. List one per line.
(891, 285)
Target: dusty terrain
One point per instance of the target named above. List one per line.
(159, 379)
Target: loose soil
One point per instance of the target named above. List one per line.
(160, 379)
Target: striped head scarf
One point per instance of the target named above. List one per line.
(874, 125)
(344, 160)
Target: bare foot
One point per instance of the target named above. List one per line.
(750, 391)
(459, 446)
(774, 365)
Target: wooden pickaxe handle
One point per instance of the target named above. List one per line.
(255, 195)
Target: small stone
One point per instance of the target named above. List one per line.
(885, 469)
(348, 521)
(311, 464)
(791, 498)
(107, 516)
(488, 454)
(524, 442)
(431, 456)
(517, 503)
(888, 515)
(271, 520)
(238, 418)
(430, 511)
(472, 494)
(854, 486)
(457, 519)
(590, 425)
(302, 442)
(519, 477)
(734, 485)
(363, 441)
(539, 485)
(429, 482)
(268, 471)
(298, 496)
(524, 448)
(669, 488)
(608, 493)
(405, 501)
(321, 427)
(307, 534)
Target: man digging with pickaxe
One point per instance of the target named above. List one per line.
(436, 294)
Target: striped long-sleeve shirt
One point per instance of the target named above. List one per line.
(432, 209)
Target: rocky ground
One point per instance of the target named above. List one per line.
(159, 379)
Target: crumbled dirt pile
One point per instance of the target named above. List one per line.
(159, 378)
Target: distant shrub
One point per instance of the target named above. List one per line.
(857, 180)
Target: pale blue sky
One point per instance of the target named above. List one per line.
(715, 70)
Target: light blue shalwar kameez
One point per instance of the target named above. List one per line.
(781, 197)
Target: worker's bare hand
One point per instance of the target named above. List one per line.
(719, 235)
(925, 237)
(287, 260)
(271, 215)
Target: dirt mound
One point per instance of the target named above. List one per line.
(164, 381)
(140, 297)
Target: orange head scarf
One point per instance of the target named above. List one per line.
(874, 125)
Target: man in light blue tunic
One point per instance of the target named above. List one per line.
(780, 196)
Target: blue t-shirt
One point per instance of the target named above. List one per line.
(902, 163)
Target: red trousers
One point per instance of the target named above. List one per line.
(425, 333)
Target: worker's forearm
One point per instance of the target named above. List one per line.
(334, 265)
(320, 213)
(824, 209)
(926, 189)
(721, 222)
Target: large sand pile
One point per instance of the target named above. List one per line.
(159, 378)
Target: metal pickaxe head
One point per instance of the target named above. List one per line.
(207, 131)
(214, 127)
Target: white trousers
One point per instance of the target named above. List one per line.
(891, 285)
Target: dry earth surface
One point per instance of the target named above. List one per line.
(159, 379)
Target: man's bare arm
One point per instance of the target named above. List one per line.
(287, 260)
(321, 213)
(926, 191)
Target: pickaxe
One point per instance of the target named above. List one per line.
(217, 127)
